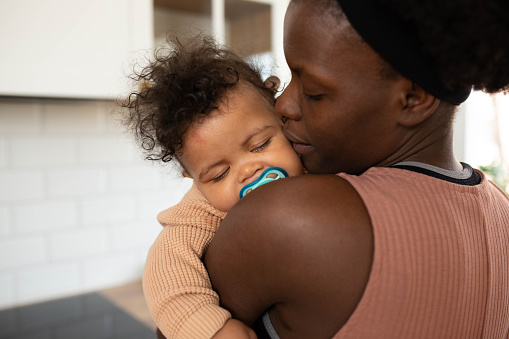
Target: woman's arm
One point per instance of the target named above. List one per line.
(301, 247)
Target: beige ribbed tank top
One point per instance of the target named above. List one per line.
(441, 259)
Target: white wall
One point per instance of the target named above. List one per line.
(486, 129)
(77, 202)
(482, 135)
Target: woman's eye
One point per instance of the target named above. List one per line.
(262, 146)
(313, 97)
(221, 176)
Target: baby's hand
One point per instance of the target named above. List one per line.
(235, 329)
(272, 83)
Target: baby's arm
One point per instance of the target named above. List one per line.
(176, 284)
(177, 288)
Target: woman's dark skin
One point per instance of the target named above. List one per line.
(303, 246)
(299, 258)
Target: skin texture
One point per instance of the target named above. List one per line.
(232, 146)
(302, 247)
(281, 258)
(235, 329)
(342, 114)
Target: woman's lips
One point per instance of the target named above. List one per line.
(299, 146)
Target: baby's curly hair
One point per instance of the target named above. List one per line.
(182, 85)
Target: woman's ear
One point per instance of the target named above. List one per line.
(418, 105)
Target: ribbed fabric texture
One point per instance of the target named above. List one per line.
(441, 259)
(176, 284)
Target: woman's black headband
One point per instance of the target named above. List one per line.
(391, 37)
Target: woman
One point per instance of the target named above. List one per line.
(405, 241)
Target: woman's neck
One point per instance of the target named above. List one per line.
(430, 143)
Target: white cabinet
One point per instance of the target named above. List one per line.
(71, 48)
(253, 28)
(85, 49)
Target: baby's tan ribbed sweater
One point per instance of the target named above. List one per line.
(175, 282)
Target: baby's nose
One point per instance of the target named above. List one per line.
(249, 171)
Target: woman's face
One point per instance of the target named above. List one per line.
(339, 110)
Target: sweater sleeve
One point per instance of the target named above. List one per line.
(176, 284)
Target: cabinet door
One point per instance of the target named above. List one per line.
(71, 48)
(255, 28)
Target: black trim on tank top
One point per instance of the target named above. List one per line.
(474, 179)
(260, 329)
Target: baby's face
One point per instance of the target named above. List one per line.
(234, 145)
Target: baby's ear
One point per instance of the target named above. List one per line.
(186, 175)
(272, 83)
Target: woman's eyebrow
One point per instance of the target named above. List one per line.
(319, 79)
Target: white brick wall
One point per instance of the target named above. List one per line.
(108, 209)
(71, 117)
(106, 150)
(21, 116)
(78, 206)
(47, 281)
(17, 252)
(45, 217)
(128, 178)
(79, 244)
(3, 153)
(6, 290)
(4, 221)
(21, 185)
(113, 269)
(130, 235)
(75, 181)
(37, 152)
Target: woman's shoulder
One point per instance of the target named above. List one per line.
(324, 205)
(308, 197)
(314, 224)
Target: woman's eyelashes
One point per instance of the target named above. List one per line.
(313, 97)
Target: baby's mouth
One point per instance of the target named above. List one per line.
(269, 175)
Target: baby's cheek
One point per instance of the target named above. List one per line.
(297, 168)
(226, 200)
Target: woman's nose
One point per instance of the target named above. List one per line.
(287, 104)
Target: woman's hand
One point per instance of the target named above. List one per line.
(235, 329)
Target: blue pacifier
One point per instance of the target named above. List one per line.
(269, 175)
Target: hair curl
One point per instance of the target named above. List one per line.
(183, 84)
(468, 40)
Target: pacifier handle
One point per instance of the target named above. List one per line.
(269, 175)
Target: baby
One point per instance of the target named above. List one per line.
(206, 108)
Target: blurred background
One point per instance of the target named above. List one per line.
(78, 202)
